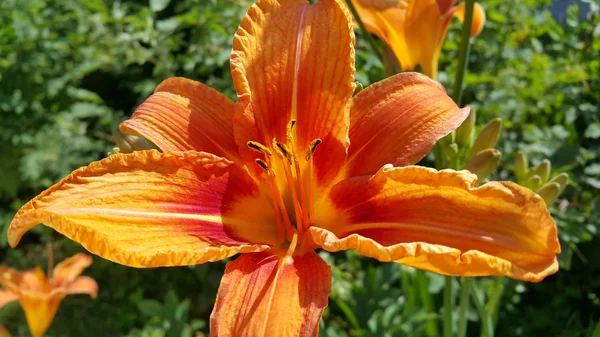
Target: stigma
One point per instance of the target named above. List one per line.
(289, 175)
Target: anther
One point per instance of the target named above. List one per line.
(258, 147)
(290, 127)
(312, 147)
(263, 165)
(283, 151)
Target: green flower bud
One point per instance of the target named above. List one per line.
(464, 133)
(534, 182)
(543, 170)
(358, 88)
(521, 166)
(549, 193)
(488, 137)
(449, 151)
(562, 180)
(484, 163)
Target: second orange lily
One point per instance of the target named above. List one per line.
(296, 164)
(40, 296)
(415, 29)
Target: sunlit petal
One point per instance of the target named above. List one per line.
(478, 17)
(10, 279)
(398, 120)
(185, 115)
(7, 296)
(295, 60)
(4, 332)
(438, 221)
(148, 209)
(445, 5)
(83, 285)
(68, 270)
(40, 310)
(271, 296)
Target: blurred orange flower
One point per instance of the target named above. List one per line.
(40, 296)
(296, 164)
(415, 29)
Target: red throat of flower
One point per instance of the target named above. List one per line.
(284, 158)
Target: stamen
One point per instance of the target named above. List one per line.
(286, 218)
(258, 147)
(311, 189)
(290, 127)
(297, 208)
(302, 196)
(312, 147)
(288, 255)
(283, 151)
(263, 165)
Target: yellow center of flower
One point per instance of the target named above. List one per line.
(294, 209)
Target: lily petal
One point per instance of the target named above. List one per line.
(7, 296)
(10, 279)
(271, 296)
(150, 209)
(445, 5)
(40, 310)
(34, 280)
(185, 115)
(398, 120)
(83, 285)
(478, 17)
(295, 60)
(4, 332)
(438, 221)
(68, 270)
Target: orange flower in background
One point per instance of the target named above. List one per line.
(296, 164)
(415, 29)
(4, 332)
(40, 296)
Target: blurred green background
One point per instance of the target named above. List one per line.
(70, 71)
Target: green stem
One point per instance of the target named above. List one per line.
(493, 304)
(463, 306)
(463, 53)
(487, 327)
(448, 306)
(422, 283)
(366, 33)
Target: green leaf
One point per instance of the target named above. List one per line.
(592, 131)
(159, 5)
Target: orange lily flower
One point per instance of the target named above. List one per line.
(40, 296)
(415, 29)
(296, 164)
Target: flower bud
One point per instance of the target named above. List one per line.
(488, 137)
(549, 192)
(543, 170)
(450, 151)
(129, 143)
(562, 180)
(358, 88)
(521, 166)
(464, 133)
(484, 163)
(534, 182)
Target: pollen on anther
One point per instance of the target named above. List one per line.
(262, 164)
(284, 151)
(312, 147)
(258, 147)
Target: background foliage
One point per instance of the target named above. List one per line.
(71, 71)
